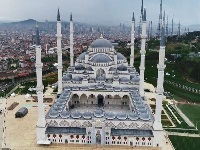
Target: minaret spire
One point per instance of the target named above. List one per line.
(167, 28)
(160, 19)
(151, 29)
(132, 41)
(179, 29)
(71, 17)
(71, 41)
(142, 9)
(172, 26)
(133, 17)
(37, 35)
(58, 15)
(143, 52)
(59, 53)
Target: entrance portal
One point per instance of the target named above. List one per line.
(100, 100)
(98, 138)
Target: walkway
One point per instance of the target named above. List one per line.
(183, 134)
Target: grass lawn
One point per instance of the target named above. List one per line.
(192, 112)
(185, 143)
(151, 74)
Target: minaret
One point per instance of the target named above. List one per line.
(172, 27)
(41, 123)
(132, 41)
(157, 125)
(149, 26)
(179, 29)
(71, 41)
(151, 30)
(142, 52)
(59, 52)
(161, 66)
(167, 28)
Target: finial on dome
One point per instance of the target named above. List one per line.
(101, 36)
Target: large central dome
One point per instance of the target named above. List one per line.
(101, 43)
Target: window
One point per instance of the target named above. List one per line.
(92, 102)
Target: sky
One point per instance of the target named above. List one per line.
(111, 12)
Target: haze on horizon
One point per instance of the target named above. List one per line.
(111, 12)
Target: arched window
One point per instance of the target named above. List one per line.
(71, 136)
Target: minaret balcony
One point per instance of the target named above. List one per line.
(38, 65)
(161, 67)
(144, 36)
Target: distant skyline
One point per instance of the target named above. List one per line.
(111, 12)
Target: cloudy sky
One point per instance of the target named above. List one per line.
(99, 11)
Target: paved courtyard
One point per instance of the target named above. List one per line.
(21, 132)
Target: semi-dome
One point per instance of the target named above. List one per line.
(67, 77)
(89, 68)
(82, 56)
(122, 68)
(100, 78)
(101, 58)
(101, 43)
(120, 57)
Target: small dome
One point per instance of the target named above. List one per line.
(136, 79)
(54, 113)
(101, 58)
(82, 56)
(122, 68)
(124, 79)
(98, 113)
(121, 116)
(110, 115)
(79, 67)
(65, 114)
(133, 116)
(77, 79)
(67, 77)
(120, 57)
(101, 43)
(144, 116)
(87, 115)
(76, 115)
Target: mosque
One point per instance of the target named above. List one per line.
(101, 96)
